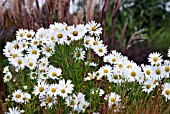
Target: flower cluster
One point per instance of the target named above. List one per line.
(32, 52)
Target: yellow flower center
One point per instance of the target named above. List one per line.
(30, 63)
(34, 52)
(147, 72)
(24, 98)
(19, 62)
(8, 77)
(48, 100)
(167, 69)
(63, 91)
(72, 103)
(52, 38)
(59, 35)
(129, 66)
(106, 71)
(48, 49)
(120, 65)
(167, 91)
(23, 45)
(95, 43)
(154, 82)
(75, 33)
(112, 99)
(115, 76)
(34, 42)
(91, 77)
(157, 72)
(155, 59)
(41, 89)
(133, 73)
(29, 35)
(78, 54)
(53, 90)
(87, 41)
(21, 34)
(16, 46)
(100, 50)
(84, 106)
(94, 28)
(114, 60)
(54, 74)
(148, 86)
(18, 96)
(14, 55)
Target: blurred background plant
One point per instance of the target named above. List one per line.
(125, 23)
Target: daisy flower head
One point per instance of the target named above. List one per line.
(13, 110)
(33, 50)
(148, 71)
(19, 63)
(95, 42)
(100, 50)
(105, 70)
(47, 101)
(75, 32)
(17, 96)
(33, 75)
(65, 88)
(29, 35)
(7, 77)
(31, 62)
(47, 49)
(94, 28)
(166, 68)
(53, 72)
(60, 36)
(89, 77)
(79, 53)
(155, 58)
(87, 40)
(52, 90)
(166, 90)
(133, 73)
(6, 69)
(40, 89)
(148, 86)
(20, 34)
(158, 73)
(26, 97)
(112, 98)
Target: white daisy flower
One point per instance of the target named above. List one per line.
(29, 34)
(34, 51)
(166, 68)
(148, 71)
(48, 49)
(148, 86)
(166, 90)
(105, 70)
(79, 53)
(53, 90)
(20, 34)
(89, 77)
(87, 40)
(100, 50)
(17, 96)
(60, 36)
(75, 32)
(48, 101)
(112, 98)
(33, 75)
(94, 28)
(94, 42)
(6, 69)
(7, 77)
(53, 72)
(40, 89)
(155, 58)
(26, 97)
